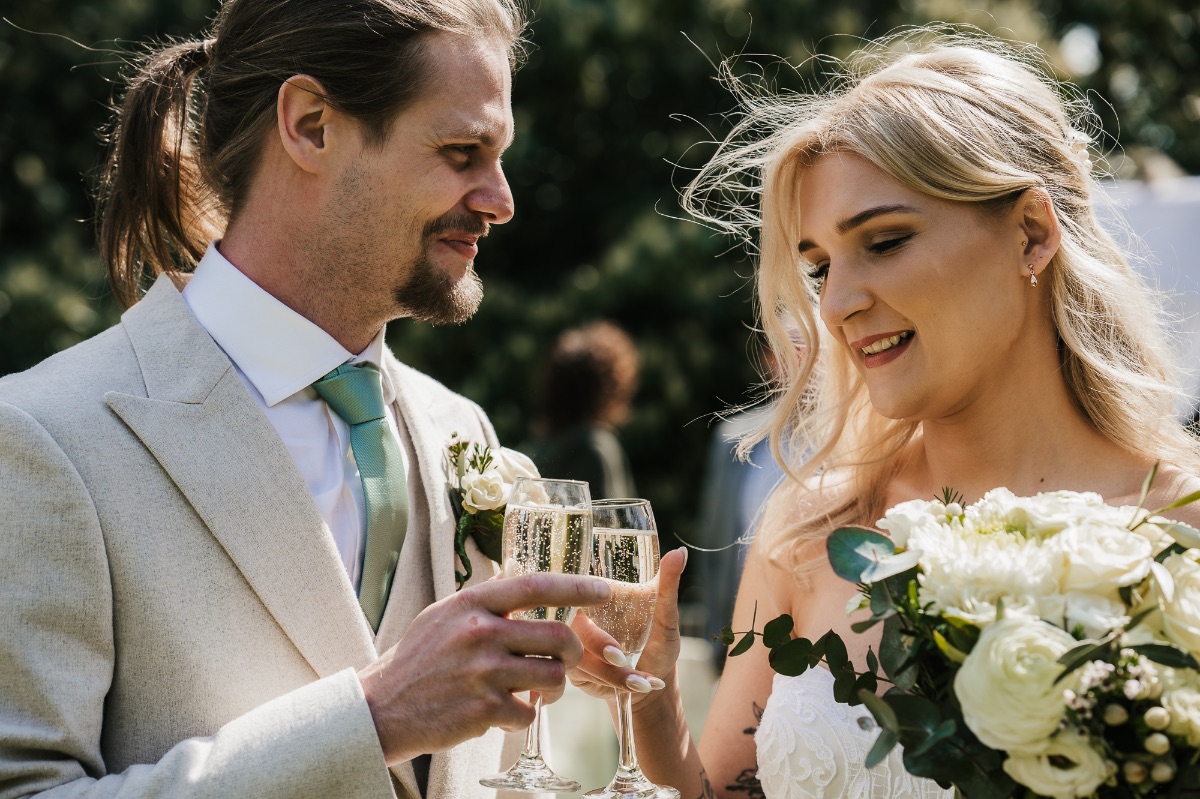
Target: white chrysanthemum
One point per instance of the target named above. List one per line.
(968, 565)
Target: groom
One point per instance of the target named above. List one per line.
(227, 545)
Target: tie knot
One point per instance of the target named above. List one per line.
(354, 392)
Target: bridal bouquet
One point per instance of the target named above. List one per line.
(480, 482)
(1037, 646)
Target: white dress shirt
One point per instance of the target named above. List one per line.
(278, 354)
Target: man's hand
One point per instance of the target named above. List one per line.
(455, 672)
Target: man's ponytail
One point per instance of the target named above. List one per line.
(156, 213)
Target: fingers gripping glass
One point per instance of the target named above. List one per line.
(547, 528)
(626, 555)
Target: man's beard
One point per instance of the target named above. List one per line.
(430, 294)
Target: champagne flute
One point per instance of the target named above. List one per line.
(626, 555)
(547, 528)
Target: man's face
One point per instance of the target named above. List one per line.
(406, 216)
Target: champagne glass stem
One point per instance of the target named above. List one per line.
(629, 780)
(533, 735)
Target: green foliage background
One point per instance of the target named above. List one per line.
(614, 93)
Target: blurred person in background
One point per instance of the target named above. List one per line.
(584, 394)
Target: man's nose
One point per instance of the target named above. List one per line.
(492, 198)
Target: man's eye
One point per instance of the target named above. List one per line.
(887, 245)
(461, 153)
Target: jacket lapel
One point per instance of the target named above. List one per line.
(208, 434)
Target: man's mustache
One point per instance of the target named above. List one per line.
(457, 223)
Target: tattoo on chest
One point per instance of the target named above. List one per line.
(747, 781)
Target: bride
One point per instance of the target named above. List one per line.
(928, 225)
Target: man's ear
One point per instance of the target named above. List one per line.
(303, 118)
(1041, 235)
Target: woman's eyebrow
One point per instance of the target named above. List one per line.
(846, 225)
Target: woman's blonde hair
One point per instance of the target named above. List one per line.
(954, 114)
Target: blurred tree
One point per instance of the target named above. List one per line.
(610, 109)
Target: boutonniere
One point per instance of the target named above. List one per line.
(481, 480)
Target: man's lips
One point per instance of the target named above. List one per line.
(465, 245)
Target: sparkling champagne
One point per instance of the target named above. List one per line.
(628, 561)
(546, 538)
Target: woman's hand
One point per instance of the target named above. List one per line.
(603, 666)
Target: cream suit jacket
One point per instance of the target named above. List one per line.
(174, 617)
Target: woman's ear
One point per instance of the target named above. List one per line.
(1041, 235)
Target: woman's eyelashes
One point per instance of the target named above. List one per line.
(889, 244)
(817, 272)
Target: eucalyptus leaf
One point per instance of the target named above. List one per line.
(835, 652)
(884, 744)
(881, 710)
(867, 682)
(742, 645)
(1167, 655)
(843, 686)
(943, 731)
(793, 658)
(726, 636)
(856, 551)
(861, 627)
(778, 631)
(872, 662)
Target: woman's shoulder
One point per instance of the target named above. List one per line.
(1171, 484)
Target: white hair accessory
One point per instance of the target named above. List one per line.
(1079, 142)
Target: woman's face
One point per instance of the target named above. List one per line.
(927, 295)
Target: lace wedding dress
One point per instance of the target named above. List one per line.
(811, 747)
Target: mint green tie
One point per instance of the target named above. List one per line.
(355, 393)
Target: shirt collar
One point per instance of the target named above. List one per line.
(279, 351)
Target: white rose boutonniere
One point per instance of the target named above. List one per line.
(481, 479)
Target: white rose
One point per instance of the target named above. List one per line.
(512, 464)
(482, 490)
(1070, 767)
(1006, 684)
(901, 519)
(1181, 614)
(1184, 706)
(1095, 613)
(1102, 555)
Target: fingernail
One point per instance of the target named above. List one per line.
(636, 683)
(684, 550)
(600, 589)
(656, 683)
(616, 657)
